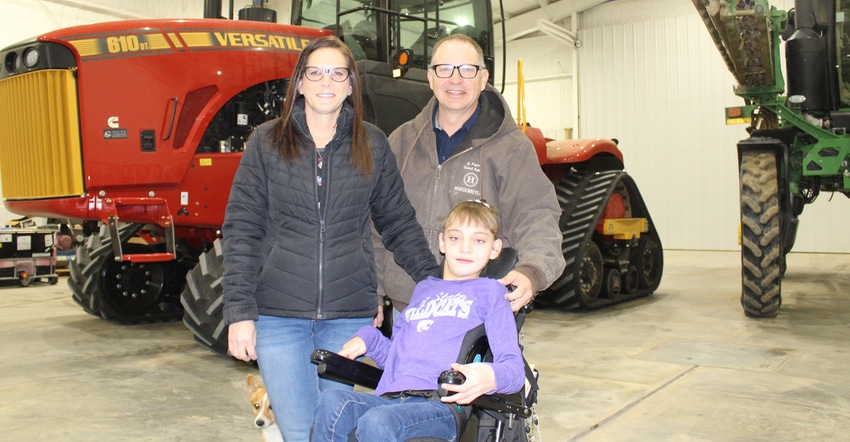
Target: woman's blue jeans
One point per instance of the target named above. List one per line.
(284, 346)
(378, 419)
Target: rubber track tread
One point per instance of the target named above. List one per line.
(583, 196)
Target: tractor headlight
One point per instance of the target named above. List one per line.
(13, 62)
(31, 57)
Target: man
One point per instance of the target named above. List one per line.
(465, 145)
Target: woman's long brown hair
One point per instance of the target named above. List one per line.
(290, 142)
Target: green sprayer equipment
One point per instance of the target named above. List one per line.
(798, 143)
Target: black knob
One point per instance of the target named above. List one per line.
(452, 377)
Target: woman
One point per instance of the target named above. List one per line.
(299, 265)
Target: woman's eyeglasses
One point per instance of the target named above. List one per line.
(314, 73)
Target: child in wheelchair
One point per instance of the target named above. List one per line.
(426, 341)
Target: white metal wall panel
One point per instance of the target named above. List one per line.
(548, 83)
(22, 19)
(649, 75)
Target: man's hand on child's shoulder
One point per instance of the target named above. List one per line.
(522, 293)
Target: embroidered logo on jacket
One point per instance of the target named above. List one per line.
(470, 179)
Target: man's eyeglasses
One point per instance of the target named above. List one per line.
(314, 73)
(465, 70)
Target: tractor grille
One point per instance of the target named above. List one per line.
(40, 153)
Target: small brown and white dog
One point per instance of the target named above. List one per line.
(263, 416)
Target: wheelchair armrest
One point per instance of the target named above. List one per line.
(341, 369)
(510, 403)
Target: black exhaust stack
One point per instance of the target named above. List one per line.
(806, 56)
(212, 9)
(258, 12)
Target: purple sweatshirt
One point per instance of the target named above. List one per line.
(428, 335)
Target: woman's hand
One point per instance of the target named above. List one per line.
(242, 341)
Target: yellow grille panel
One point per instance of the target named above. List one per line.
(39, 136)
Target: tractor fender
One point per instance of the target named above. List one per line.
(581, 150)
(551, 151)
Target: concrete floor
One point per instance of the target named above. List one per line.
(683, 364)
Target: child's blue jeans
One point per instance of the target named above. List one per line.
(378, 419)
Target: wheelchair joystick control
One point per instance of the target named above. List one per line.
(449, 377)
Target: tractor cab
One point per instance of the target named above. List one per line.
(382, 30)
(392, 41)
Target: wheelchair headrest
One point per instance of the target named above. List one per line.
(504, 263)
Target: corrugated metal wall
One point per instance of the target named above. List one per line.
(547, 67)
(22, 19)
(649, 75)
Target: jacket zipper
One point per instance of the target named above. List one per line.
(433, 203)
(319, 314)
(435, 190)
(437, 180)
(321, 213)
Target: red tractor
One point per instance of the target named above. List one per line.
(134, 130)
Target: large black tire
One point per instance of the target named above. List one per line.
(129, 290)
(761, 238)
(82, 270)
(124, 291)
(202, 300)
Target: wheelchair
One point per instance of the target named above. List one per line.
(490, 418)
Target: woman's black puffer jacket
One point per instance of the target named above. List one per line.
(284, 256)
